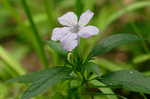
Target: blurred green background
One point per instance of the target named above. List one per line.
(25, 25)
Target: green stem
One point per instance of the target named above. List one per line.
(85, 81)
(39, 43)
(54, 56)
(79, 7)
(48, 4)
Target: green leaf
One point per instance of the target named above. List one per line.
(113, 41)
(35, 76)
(42, 80)
(128, 79)
(57, 47)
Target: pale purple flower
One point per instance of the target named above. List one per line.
(73, 29)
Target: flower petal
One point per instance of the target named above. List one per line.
(69, 46)
(59, 33)
(85, 17)
(88, 31)
(68, 19)
(69, 42)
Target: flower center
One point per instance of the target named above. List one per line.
(75, 29)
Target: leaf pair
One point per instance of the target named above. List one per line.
(42, 80)
(126, 79)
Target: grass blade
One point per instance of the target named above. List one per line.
(38, 42)
(121, 12)
(12, 63)
(48, 4)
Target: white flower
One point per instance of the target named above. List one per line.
(74, 29)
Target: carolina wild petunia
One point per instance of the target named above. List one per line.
(73, 29)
